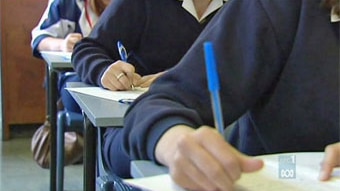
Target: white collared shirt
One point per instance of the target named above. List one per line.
(334, 17)
(188, 5)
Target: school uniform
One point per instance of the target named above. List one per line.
(155, 33)
(278, 63)
(60, 18)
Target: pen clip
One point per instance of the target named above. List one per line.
(122, 51)
(126, 101)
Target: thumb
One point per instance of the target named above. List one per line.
(250, 164)
(331, 160)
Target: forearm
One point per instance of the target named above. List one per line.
(89, 56)
(50, 44)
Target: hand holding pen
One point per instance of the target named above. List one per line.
(201, 159)
(120, 75)
(123, 55)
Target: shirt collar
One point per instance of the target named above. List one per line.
(334, 17)
(188, 5)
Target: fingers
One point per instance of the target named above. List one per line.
(188, 175)
(331, 160)
(204, 161)
(123, 81)
(250, 164)
(70, 40)
(119, 76)
(147, 80)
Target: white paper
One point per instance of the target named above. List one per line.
(108, 94)
(65, 55)
(155, 183)
(307, 172)
(267, 179)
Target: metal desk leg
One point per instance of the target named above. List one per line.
(90, 134)
(52, 112)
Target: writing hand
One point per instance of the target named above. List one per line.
(201, 159)
(119, 76)
(331, 160)
(69, 42)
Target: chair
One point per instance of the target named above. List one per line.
(66, 122)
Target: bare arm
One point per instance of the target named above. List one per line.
(59, 44)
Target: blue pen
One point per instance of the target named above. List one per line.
(214, 85)
(123, 56)
(122, 51)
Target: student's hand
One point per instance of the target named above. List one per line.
(331, 160)
(68, 43)
(201, 159)
(119, 76)
(147, 80)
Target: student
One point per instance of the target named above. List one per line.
(278, 63)
(64, 23)
(155, 33)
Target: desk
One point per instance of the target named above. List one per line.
(55, 62)
(305, 168)
(97, 112)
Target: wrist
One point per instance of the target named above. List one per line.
(167, 144)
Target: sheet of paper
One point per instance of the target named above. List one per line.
(107, 94)
(306, 175)
(65, 55)
(155, 183)
(267, 179)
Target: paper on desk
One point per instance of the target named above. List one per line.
(155, 183)
(108, 94)
(307, 171)
(65, 55)
(267, 179)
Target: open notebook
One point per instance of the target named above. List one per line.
(267, 179)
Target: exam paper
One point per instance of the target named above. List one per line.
(155, 183)
(108, 94)
(267, 179)
(65, 55)
(306, 175)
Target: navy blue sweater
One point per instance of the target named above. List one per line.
(156, 33)
(278, 63)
